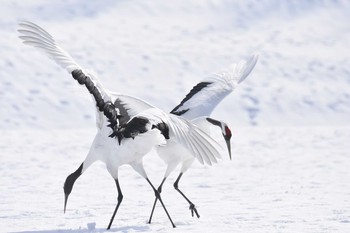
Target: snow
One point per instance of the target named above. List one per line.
(279, 180)
(290, 117)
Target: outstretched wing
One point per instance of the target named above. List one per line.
(35, 36)
(128, 106)
(199, 143)
(184, 132)
(206, 95)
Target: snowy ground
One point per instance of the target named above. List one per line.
(290, 118)
(280, 180)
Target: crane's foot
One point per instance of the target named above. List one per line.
(193, 210)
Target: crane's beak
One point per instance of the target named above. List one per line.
(65, 202)
(228, 144)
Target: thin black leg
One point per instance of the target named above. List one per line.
(155, 200)
(160, 199)
(192, 206)
(120, 198)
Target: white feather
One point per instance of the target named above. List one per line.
(34, 35)
(221, 84)
(183, 132)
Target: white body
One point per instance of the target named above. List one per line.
(174, 154)
(131, 151)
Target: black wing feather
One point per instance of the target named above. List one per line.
(193, 91)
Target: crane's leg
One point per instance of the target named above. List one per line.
(156, 199)
(192, 206)
(120, 198)
(161, 201)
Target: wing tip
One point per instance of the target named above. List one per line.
(26, 23)
(246, 66)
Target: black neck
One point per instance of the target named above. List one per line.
(68, 184)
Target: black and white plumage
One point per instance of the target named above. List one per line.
(127, 128)
(209, 92)
(197, 105)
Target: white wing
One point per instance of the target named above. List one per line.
(202, 123)
(129, 106)
(182, 131)
(206, 95)
(34, 35)
(200, 144)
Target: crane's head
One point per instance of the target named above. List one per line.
(225, 130)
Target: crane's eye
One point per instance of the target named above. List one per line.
(228, 132)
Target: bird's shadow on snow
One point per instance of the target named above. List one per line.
(117, 229)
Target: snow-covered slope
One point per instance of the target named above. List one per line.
(158, 50)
